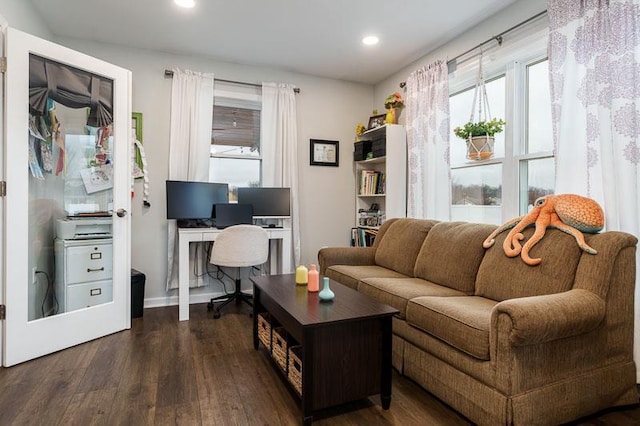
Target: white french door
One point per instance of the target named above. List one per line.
(65, 151)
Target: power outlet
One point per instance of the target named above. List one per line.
(33, 275)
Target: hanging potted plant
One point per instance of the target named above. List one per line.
(479, 134)
(480, 137)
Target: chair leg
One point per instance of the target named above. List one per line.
(238, 296)
(216, 312)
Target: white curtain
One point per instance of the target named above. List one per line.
(189, 147)
(279, 140)
(594, 53)
(428, 131)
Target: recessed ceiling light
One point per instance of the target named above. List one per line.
(370, 40)
(185, 3)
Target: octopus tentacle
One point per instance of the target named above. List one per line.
(511, 244)
(576, 234)
(514, 248)
(541, 229)
(491, 239)
(516, 241)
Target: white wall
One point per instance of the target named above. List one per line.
(501, 21)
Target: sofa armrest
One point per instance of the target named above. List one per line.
(329, 256)
(540, 319)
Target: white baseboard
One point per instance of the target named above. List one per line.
(194, 297)
(158, 302)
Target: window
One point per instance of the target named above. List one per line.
(235, 146)
(522, 168)
(476, 186)
(537, 168)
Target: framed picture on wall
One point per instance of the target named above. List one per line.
(324, 153)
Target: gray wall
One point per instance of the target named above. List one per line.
(21, 15)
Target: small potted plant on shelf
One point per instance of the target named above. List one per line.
(393, 103)
(479, 137)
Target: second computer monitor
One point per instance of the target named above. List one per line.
(267, 202)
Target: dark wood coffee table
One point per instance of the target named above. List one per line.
(346, 343)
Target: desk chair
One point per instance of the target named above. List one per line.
(238, 246)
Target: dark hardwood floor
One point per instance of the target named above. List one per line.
(200, 372)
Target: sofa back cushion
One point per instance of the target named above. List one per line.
(451, 254)
(398, 248)
(501, 278)
(383, 230)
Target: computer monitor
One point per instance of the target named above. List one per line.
(267, 202)
(194, 200)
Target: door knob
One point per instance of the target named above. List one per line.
(121, 212)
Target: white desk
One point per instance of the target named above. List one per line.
(280, 255)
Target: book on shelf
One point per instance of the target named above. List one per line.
(371, 182)
(363, 237)
(381, 189)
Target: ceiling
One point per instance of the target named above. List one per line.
(316, 37)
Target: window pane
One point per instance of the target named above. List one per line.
(539, 180)
(476, 194)
(235, 151)
(236, 172)
(460, 106)
(539, 133)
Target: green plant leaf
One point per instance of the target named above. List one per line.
(480, 128)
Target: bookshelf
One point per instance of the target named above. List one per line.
(381, 180)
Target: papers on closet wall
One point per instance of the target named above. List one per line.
(97, 178)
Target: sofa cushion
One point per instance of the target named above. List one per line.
(397, 292)
(350, 275)
(501, 278)
(451, 254)
(463, 322)
(399, 246)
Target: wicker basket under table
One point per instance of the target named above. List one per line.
(279, 347)
(265, 327)
(295, 368)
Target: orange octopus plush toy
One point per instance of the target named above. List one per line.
(569, 213)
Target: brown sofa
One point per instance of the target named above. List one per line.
(498, 340)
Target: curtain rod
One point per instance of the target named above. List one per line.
(497, 38)
(169, 74)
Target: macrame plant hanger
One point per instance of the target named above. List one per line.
(480, 147)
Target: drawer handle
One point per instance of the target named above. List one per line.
(95, 292)
(95, 270)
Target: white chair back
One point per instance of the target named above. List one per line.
(239, 246)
